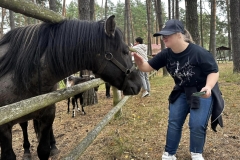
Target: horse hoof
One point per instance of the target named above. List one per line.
(27, 156)
(54, 152)
(83, 113)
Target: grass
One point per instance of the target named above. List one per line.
(226, 73)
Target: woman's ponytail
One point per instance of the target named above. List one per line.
(188, 37)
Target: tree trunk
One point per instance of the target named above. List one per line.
(235, 30)
(31, 10)
(201, 24)
(192, 19)
(157, 21)
(2, 23)
(92, 10)
(11, 19)
(173, 11)
(52, 5)
(64, 8)
(132, 29)
(125, 25)
(89, 96)
(229, 31)
(102, 13)
(212, 43)
(35, 21)
(177, 10)
(84, 9)
(160, 22)
(186, 13)
(106, 9)
(169, 9)
(149, 26)
(127, 9)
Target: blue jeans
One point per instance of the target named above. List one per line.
(198, 122)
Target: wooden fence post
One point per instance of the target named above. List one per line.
(116, 99)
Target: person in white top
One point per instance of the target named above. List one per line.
(142, 51)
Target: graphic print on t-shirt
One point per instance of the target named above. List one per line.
(182, 72)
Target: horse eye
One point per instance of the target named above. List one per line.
(126, 51)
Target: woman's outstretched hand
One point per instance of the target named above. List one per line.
(138, 59)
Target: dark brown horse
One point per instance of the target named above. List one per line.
(34, 59)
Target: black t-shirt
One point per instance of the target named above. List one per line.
(188, 68)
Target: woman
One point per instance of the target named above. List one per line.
(193, 70)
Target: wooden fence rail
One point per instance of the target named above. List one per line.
(16, 110)
(31, 10)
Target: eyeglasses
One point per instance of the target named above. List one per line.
(165, 36)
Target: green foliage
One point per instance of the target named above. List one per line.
(61, 85)
(119, 12)
(72, 10)
(139, 18)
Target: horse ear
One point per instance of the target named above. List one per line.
(110, 26)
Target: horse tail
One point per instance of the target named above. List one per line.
(36, 128)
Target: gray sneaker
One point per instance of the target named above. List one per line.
(145, 94)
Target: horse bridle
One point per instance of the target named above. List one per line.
(109, 57)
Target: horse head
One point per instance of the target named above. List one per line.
(114, 64)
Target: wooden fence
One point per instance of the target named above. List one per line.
(16, 110)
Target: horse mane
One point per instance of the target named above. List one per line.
(66, 46)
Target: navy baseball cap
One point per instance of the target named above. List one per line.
(171, 26)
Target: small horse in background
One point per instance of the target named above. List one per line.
(73, 80)
(33, 59)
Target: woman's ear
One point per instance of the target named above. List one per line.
(180, 35)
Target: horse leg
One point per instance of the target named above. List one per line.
(107, 86)
(54, 149)
(26, 143)
(76, 99)
(68, 105)
(6, 142)
(43, 130)
(81, 103)
(73, 104)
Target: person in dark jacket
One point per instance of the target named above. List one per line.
(193, 69)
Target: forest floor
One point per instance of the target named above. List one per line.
(140, 132)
